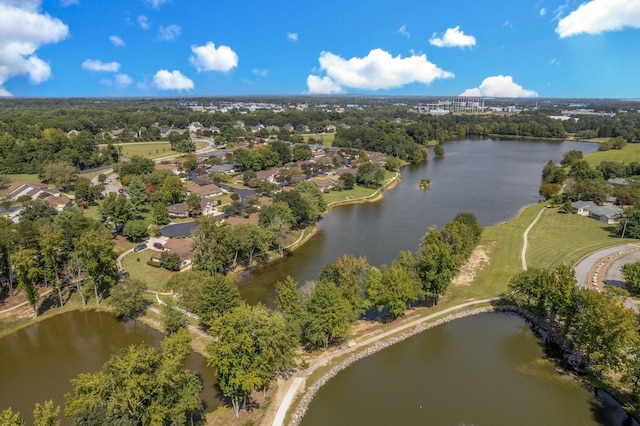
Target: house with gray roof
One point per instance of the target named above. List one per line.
(607, 213)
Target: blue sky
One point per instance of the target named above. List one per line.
(494, 48)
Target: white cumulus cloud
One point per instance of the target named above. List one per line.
(453, 37)
(543, 11)
(598, 16)
(174, 80)
(500, 86)
(143, 21)
(23, 30)
(210, 58)
(98, 65)
(292, 36)
(378, 70)
(322, 85)
(123, 80)
(156, 3)
(117, 41)
(169, 32)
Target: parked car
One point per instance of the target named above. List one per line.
(140, 247)
(158, 246)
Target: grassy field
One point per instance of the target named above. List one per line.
(154, 277)
(629, 154)
(566, 238)
(24, 178)
(339, 196)
(325, 139)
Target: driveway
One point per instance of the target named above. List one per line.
(178, 230)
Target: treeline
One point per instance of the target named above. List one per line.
(596, 323)
(64, 250)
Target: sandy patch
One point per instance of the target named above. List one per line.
(478, 260)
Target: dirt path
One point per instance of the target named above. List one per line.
(525, 245)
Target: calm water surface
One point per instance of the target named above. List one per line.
(37, 362)
(489, 369)
(492, 179)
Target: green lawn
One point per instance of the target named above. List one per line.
(148, 150)
(24, 178)
(154, 277)
(355, 193)
(566, 238)
(325, 139)
(629, 154)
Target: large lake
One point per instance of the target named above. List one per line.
(492, 179)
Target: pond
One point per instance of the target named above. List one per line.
(37, 362)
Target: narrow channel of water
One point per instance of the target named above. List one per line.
(489, 369)
(37, 362)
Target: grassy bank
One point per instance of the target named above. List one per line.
(628, 154)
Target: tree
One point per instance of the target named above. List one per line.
(62, 174)
(161, 214)
(37, 209)
(27, 273)
(185, 146)
(7, 246)
(213, 246)
(51, 246)
(603, 330)
(170, 261)
(127, 298)
(142, 384)
(328, 315)
(172, 318)
(438, 150)
(348, 181)
(393, 164)
(436, 264)
(194, 202)
(9, 418)
(172, 190)
(95, 248)
(135, 230)
(393, 288)
(302, 152)
(46, 414)
(250, 345)
(116, 209)
(349, 273)
(85, 191)
(289, 302)
(631, 273)
(138, 193)
(219, 295)
(370, 174)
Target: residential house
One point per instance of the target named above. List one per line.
(324, 184)
(12, 213)
(205, 191)
(180, 210)
(269, 175)
(196, 127)
(608, 213)
(31, 190)
(58, 203)
(183, 247)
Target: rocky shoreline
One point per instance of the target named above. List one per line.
(573, 358)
